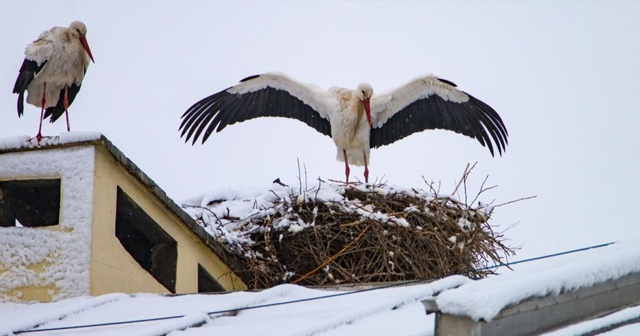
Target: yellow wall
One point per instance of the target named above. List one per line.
(113, 269)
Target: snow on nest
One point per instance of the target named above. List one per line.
(332, 233)
(25, 141)
(227, 214)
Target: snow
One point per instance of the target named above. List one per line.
(627, 330)
(618, 317)
(296, 310)
(60, 252)
(282, 310)
(25, 141)
(20, 316)
(483, 300)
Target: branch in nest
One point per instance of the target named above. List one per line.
(514, 201)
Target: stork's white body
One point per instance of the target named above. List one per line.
(349, 128)
(67, 62)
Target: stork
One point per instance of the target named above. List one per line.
(52, 72)
(355, 119)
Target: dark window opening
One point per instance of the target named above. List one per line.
(29, 203)
(146, 241)
(206, 282)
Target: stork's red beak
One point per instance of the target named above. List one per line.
(367, 110)
(85, 45)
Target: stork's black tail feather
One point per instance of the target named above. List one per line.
(20, 104)
(56, 111)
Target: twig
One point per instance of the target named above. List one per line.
(463, 178)
(318, 190)
(482, 189)
(299, 177)
(352, 223)
(326, 262)
(430, 184)
(518, 200)
(342, 182)
(276, 195)
(306, 181)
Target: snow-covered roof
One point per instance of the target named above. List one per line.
(295, 310)
(217, 314)
(24, 142)
(483, 300)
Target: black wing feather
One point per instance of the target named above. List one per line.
(190, 116)
(27, 73)
(224, 101)
(239, 108)
(223, 108)
(492, 123)
(56, 111)
(197, 116)
(472, 118)
(202, 120)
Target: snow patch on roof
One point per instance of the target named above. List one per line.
(24, 141)
(484, 299)
(607, 321)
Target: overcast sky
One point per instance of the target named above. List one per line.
(564, 77)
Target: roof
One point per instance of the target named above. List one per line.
(296, 310)
(72, 139)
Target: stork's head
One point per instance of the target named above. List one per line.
(364, 92)
(79, 30)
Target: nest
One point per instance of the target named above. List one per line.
(426, 239)
(368, 234)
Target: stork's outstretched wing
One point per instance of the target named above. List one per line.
(265, 95)
(431, 103)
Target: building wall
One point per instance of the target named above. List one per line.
(113, 269)
(52, 262)
(82, 255)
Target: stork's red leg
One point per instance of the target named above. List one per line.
(366, 169)
(66, 106)
(43, 101)
(346, 166)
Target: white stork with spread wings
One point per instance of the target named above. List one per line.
(355, 119)
(53, 70)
